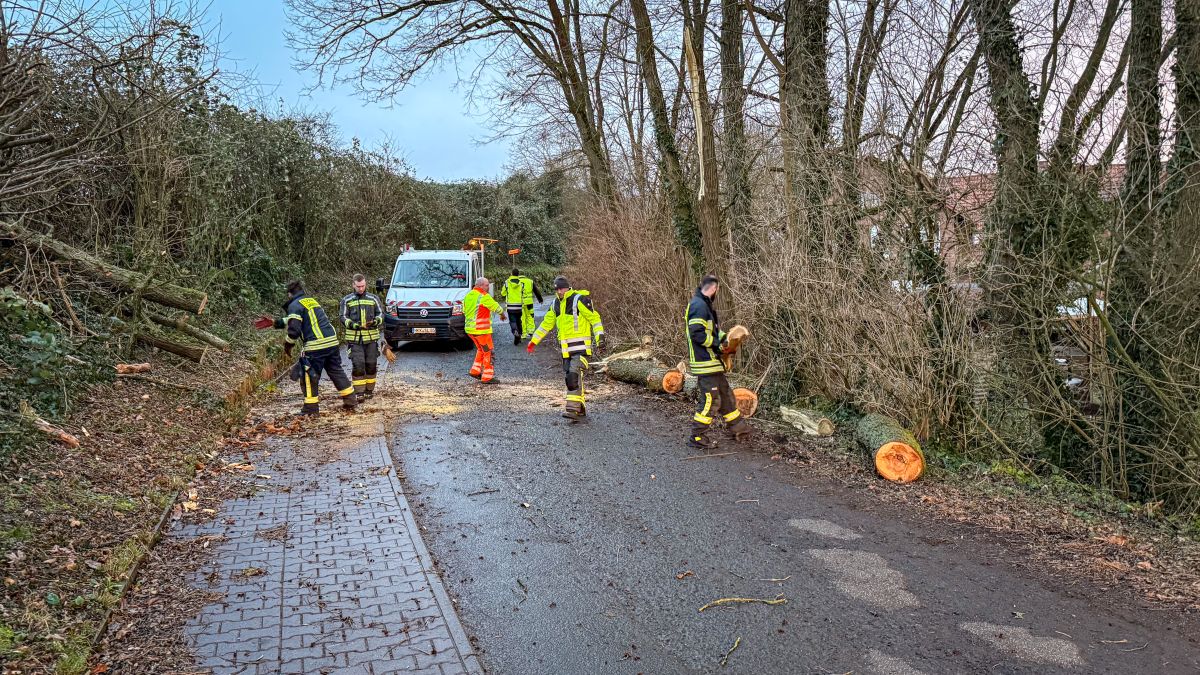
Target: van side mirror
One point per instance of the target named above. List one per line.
(380, 286)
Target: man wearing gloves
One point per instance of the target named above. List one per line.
(578, 328)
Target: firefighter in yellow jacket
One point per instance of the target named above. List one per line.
(578, 328)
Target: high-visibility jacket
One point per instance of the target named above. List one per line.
(365, 311)
(519, 292)
(306, 322)
(477, 311)
(705, 336)
(576, 322)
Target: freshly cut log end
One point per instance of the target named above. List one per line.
(656, 379)
(899, 462)
(747, 401)
(894, 451)
(672, 382)
(733, 342)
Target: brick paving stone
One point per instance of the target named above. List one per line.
(350, 591)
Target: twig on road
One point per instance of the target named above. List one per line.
(482, 492)
(776, 580)
(779, 600)
(736, 644)
(718, 454)
(746, 501)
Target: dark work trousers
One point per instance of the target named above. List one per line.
(515, 323)
(573, 368)
(328, 360)
(714, 397)
(364, 361)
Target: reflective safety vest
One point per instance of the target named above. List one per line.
(477, 312)
(307, 322)
(576, 322)
(365, 310)
(518, 292)
(705, 337)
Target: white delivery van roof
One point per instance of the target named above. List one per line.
(451, 254)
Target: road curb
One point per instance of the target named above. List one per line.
(458, 634)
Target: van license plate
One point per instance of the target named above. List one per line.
(424, 331)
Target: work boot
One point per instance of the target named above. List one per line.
(740, 430)
(309, 409)
(478, 376)
(516, 339)
(702, 441)
(350, 403)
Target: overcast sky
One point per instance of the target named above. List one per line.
(428, 122)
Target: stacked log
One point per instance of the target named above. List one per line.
(658, 378)
(893, 449)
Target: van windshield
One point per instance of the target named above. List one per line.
(430, 273)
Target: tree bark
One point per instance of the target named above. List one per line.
(733, 117)
(171, 295)
(678, 193)
(191, 352)
(712, 234)
(811, 422)
(180, 324)
(804, 105)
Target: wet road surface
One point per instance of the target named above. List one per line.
(591, 548)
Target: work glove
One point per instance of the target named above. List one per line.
(264, 322)
(287, 348)
(529, 348)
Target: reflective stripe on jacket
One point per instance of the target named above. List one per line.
(477, 312)
(705, 336)
(306, 322)
(366, 310)
(576, 322)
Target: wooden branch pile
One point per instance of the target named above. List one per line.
(140, 285)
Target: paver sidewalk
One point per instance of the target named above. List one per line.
(324, 570)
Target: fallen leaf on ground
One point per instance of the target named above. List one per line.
(684, 575)
(190, 506)
(252, 572)
(1145, 565)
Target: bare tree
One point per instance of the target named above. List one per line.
(380, 46)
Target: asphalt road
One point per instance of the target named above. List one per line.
(562, 546)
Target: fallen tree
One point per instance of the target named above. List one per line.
(893, 449)
(191, 352)
(161, 292)
(181, 324)
(658, 378)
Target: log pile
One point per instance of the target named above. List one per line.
(141, 287)
(658, 378)
(894, 451)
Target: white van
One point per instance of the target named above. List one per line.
(424, 298)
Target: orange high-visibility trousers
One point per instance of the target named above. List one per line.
(482, 367)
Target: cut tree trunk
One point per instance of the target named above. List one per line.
(633, 371)
(191, 352)
(747, 401)
(734, 339)
(129, 368)
(163, 293)
(893, 449)
(664, 380)
(811, 422)
(180, 324)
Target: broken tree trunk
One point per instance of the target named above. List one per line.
(811, 422)
(180, 324)
(130, 368)
(171, 295)
(191, 352)
(893, 449)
